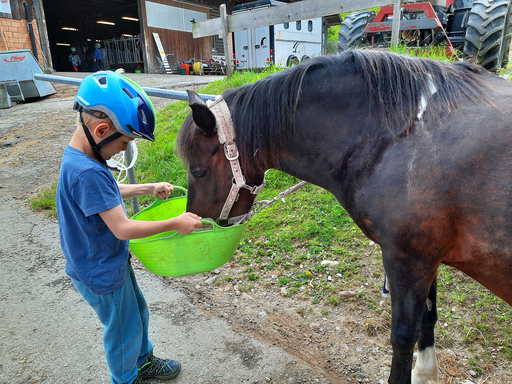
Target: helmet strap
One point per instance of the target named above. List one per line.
(97, 146)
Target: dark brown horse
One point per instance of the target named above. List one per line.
(418, 152)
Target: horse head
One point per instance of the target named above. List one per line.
(216, 186)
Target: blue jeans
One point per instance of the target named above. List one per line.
(125, 315)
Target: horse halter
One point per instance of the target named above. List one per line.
(226, 135)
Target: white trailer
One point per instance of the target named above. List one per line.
(281, 45)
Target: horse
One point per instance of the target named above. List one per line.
(417, 151)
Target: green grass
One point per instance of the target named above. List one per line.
(45, 201)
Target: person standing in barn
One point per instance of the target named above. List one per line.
(74, 59)
(98, 57)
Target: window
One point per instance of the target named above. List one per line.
(310, 26)
(299, 25)
(286, 25)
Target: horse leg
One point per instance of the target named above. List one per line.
(409, 293)
(425, 369)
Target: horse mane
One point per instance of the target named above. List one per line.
(263, 112)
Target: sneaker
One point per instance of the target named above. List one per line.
(160, 369)
(139, 380)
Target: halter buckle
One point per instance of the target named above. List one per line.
(230, 148)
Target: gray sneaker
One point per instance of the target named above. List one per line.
(140, 380)
(160, 369)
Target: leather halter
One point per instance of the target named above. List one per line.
(226, 135)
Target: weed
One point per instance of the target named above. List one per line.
(46, 201)
(253, 276)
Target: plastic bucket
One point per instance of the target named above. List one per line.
(187, 69)
(173, 254)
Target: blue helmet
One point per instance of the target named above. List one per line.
(121, 99)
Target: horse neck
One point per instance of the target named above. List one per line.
(337, 157)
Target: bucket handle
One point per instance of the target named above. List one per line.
(158, 201)
(174, 187)
(208, 225)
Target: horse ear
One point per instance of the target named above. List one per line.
(201, 114)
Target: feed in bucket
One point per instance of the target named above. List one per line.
(173, 254)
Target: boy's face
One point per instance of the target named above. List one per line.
(115, 146)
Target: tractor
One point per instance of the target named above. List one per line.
(479, 30)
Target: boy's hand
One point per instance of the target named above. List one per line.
(162, 190)
(187, 222)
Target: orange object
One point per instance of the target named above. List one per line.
(186, 67)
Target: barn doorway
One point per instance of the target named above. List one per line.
(82, 24)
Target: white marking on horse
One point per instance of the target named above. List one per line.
(413, 182)
(425, 369)
(423, 100)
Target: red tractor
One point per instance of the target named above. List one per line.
(480, 30)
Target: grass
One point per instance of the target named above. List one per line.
(45, 201)
(285, 244)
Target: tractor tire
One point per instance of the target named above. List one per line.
(488, 33)
(351, 34)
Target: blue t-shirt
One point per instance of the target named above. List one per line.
(94, 255)
(98, 54)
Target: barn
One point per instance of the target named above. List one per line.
(132, 33)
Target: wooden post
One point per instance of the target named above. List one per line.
(225, 38)
(395, 28)
(3, 39)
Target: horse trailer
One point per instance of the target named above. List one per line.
(281, 45)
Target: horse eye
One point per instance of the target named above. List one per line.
(199, 174)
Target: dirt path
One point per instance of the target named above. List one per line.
(49, 335)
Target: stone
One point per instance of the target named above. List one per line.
(211, 280)
(329, 263)
(245, 296)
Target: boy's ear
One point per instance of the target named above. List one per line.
(101, 129)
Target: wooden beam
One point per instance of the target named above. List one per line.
(301, 10)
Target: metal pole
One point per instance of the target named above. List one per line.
(31, 30)
(157, 92)
(128, 156)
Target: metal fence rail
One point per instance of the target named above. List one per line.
(157, 92)
(125, 50)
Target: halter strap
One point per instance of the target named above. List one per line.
(226, 135)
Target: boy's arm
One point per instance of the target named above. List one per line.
(161, 190)
(126, 229)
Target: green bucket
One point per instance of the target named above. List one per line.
(173, 254)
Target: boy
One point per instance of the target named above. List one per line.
(95, 230)
(74, 59)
